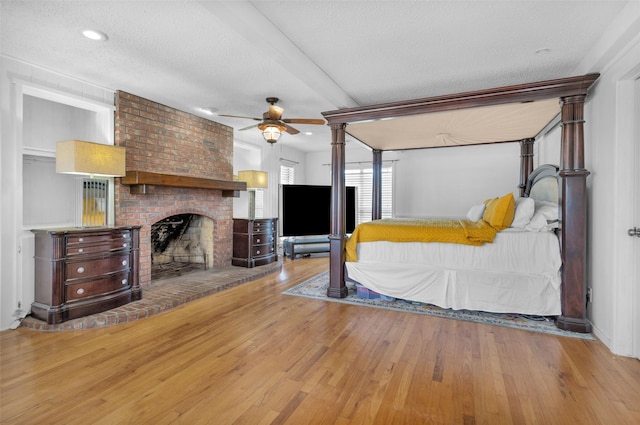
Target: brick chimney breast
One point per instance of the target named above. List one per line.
(161, 139)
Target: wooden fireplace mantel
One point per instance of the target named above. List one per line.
(143, 182)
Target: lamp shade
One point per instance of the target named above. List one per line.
(254, 179)
(88, 158)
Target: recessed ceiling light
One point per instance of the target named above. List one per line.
(308, 133)
(95, 35)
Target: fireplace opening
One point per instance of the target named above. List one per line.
(181, 244)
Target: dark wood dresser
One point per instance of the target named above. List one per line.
(84, 271)
(255, 241)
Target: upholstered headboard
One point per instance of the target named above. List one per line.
(542, 183)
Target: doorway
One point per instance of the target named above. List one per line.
(635, 192)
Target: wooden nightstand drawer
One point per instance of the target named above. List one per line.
(101, 286)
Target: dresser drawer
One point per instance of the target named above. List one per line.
(95, 267)
(103, 246)
(263, 238)
(99, 238)
(261, 250)
(262, 226)
(100, 286)
(253, 226)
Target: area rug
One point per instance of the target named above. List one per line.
(316, 288)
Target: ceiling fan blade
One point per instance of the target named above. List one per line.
(236, 116)
(250, 127)
(304, 121)
(275, 112)
(291, 130)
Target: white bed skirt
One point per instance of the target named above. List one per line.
(518, 273)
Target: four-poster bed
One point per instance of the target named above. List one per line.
(523, 111)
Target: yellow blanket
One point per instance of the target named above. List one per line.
(420, 230)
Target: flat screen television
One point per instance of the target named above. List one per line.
(305, 210)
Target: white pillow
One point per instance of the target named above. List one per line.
(525, 207)
(549, 210)
(476, 212)
(538, 223)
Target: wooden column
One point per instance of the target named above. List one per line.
(526, 162)
(376, 198)
(573, 217)
(337, 287)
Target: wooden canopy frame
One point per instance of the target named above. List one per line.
(572, 194)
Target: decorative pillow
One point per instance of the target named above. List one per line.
(525, 207)
(500, 212)
(476, 212)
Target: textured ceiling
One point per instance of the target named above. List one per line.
(314, 55)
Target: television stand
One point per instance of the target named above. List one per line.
(305, 246)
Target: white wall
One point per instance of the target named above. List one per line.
(245, 157)
(272, 155)
(448, 181)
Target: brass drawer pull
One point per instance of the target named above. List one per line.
(258, 252)
(80, 250)
(258, 240)
(124, 262)
(80, 270)
(124, 281)
(80, 291)
(80, 239)
(125, 244)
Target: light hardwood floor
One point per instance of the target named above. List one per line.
(250, 355)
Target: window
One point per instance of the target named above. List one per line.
(287, 173)
(362, 178)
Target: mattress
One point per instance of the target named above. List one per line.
(518, 273)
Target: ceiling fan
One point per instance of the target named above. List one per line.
(272, 124)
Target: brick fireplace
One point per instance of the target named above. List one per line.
(166, 141)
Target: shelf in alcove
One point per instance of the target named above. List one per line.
(142, 182)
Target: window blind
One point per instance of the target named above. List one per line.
(287, 174)
(362, 178)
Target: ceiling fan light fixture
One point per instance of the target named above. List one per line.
(271, 132)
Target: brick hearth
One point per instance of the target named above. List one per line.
(163, 295)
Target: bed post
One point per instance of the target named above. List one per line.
(337, 287)
(573, 217)
(526, 162)
(376, 198)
